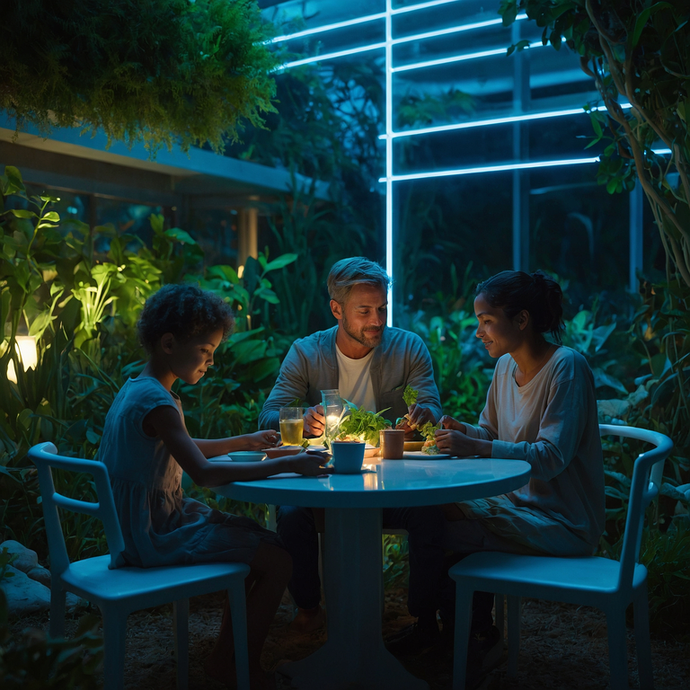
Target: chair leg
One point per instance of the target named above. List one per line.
(57, 610)
(642, 643)
(500, 613)
(618, 652)
(238, 615)
(463, 622)
(181, 635)
(114, 638)
(514, 621)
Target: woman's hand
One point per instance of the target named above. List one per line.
(456, 443)
(450, 423)
(310, 463)
(314, 421)
(268, 438)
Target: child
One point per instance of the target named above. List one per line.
(146, 447)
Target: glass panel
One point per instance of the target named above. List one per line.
(440, 222)
(298, 15)
(460, 43)
(579, 231)
(71, 205)
(129, 218)
(360, 35)
(441, 16)
(546, 140)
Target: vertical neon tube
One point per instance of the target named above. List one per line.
(389, 155)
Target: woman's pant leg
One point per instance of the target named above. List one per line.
(296, 528)
(425, 526)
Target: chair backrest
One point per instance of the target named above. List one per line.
(44, 456)
(645, 486)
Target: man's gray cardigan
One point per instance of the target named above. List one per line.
(402, 359)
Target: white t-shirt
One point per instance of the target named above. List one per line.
(354, 380)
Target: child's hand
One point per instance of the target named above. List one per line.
(310, 463)
(268, 438)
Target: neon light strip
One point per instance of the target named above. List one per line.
(446, 32)
(497, 121)
(490, 168)
(422, 6)
(395, 41)
(459, 58)
(329, 27)
(389, 157)
(330, 56)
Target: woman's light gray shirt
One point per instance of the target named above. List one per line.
(551, 422)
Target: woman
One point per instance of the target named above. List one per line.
(541, 408)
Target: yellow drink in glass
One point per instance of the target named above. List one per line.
(291, 432)
(291, 425)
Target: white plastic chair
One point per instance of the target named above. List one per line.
(590, 581)
(120, 591)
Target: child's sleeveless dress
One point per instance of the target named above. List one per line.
(159, 525)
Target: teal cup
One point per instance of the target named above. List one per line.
(348, 456)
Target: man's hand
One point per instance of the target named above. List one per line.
(268, 438)
(416, 416)
(310, 463)
(419, 415)
(314, 421)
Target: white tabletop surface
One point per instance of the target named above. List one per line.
(388, 484)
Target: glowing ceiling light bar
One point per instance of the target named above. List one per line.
(421, 6)
(445, 32)
(662, 152)
(487, 123)
(497, 121)
(491, 168)
(329, 27)
(459, 58)
(331, 56)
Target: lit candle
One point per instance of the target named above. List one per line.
(332, 423)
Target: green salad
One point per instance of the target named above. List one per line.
(428, 431)
(409, 398)
(362, 425)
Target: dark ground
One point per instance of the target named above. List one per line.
(563, 647)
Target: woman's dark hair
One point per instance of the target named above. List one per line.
(537, 293)
(186, 311)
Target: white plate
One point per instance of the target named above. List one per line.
(247, 456)
(418, 455)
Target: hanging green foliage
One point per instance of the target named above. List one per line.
(638, 53)
(152, 71)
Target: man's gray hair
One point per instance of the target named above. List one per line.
(356, 270)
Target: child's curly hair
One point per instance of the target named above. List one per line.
(186, 311)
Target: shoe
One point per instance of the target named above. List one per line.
(308, 621)
(413, 640)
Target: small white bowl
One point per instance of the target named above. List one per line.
(247, 456)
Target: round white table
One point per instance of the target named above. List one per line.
(354, 654)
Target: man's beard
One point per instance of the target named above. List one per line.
(366, 337)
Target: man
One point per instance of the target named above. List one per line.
(371, 365)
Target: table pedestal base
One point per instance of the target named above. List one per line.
(354, 655)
